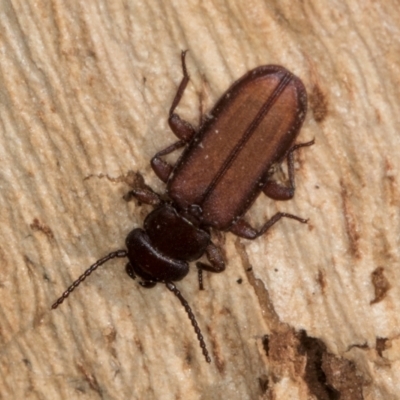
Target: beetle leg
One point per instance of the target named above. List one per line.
(214, 256)
(146, 196)
(129, 270)
(277, 191)
(182, 85)
(199, 266)
(148, 284)
(161, 168)
(182, 129)
(140, 190)
(245, 230)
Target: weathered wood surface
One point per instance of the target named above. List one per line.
(85, 88)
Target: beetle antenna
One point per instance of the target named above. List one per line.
(114, 254)
(192, 318)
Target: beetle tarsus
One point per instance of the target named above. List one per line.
(200, 275)
(182, 129)
(245, 230)
(299, 145)
(182, 85)
(290, 160)
(147, 284)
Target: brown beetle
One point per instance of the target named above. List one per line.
(225, 166)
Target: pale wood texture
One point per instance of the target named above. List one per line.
(85, 88)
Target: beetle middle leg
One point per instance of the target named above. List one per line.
(245, 230)
(214, 256)
(277, 191)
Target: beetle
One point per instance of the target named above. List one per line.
(225, 165)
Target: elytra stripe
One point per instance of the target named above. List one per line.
(249, 131)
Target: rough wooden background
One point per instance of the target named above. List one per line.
(85, 88)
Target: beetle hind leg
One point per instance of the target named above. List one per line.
(217, 263)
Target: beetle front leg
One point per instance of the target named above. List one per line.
(140, 190)
(245, 230)
(277, 191)
(148, 284)
(182, 129)
(161, 168)
(214, 256)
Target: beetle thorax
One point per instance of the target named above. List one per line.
(175, 234)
